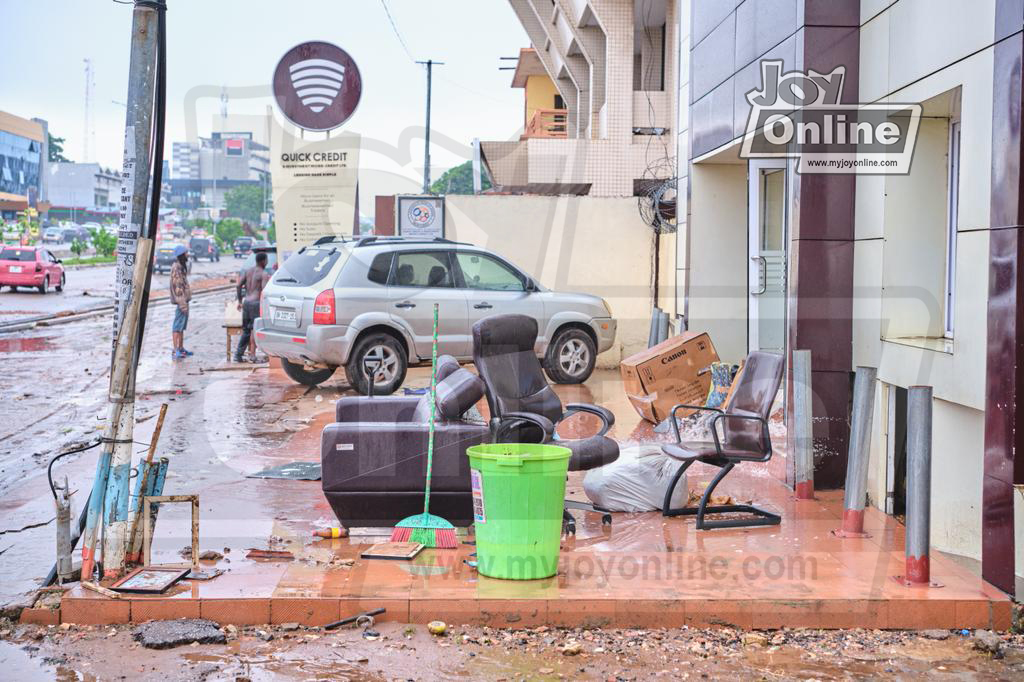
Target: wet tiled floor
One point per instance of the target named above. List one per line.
(642, 571)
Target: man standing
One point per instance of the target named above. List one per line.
(181, 294)
(252, 281)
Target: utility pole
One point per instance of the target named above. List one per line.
(426, 145)
(108, 503)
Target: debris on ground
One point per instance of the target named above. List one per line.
(210, 555)
(987, 641)
(437, 627)
(166, 634)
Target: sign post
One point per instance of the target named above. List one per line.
(317, 87)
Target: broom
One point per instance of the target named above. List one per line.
(426, 528)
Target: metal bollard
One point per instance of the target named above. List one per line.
(64, 567)
(855, 494)
(663, 326)
(919, 483)
(803, 436)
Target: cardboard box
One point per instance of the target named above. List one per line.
(677, 370)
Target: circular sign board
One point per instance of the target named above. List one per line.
(317, 85)
(421, 214)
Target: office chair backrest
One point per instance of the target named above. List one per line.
(503, 352)
(755, 393)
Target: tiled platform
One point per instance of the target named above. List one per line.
(644, 571)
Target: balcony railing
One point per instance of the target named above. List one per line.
(548, 123)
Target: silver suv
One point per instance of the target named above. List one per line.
(369, 303)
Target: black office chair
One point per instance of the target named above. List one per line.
(745, 439)
(523, 407)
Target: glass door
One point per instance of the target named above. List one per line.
(767, 274)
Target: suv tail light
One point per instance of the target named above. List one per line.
(263, 305)
(323, 308)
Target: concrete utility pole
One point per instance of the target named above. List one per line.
(110, 492)
(430, 63)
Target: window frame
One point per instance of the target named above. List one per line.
(952, 221)
(523, 277)
(447, 253)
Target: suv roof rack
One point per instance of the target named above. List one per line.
(367, 241)
(327, 239)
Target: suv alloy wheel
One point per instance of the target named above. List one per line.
(388, 352)
(571, 356)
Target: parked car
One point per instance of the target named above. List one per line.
(30, 266)
(165, 258)
(260, 243)
(338, 302)
(204, 247)
(242, 247)
(270, 250)
(72, 232)
(53, 235)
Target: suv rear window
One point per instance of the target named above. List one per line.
(380, 268)
(309, 267)
(18, 254)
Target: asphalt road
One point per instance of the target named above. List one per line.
(91, 287)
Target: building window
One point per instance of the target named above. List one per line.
(953, 189)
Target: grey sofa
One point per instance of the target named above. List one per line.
(374, 456)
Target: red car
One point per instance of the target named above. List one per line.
(30, 266)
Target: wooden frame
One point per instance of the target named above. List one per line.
(147, 531)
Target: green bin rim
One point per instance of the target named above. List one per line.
(496, 452)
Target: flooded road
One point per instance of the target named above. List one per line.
(92, 287)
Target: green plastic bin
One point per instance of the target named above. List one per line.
(518, 498)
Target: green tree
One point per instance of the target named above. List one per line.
(272, 233)
(228, 230)
(459, 180)
(78, 247)
(245, 202)
(104, 242)
(56, 145)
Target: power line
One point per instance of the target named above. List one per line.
(394, 28)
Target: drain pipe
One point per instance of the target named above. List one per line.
(855, 494)
(919, 483)
(803, 436)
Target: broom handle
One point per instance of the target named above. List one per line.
(433, 407)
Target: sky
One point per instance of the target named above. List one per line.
(236, 44)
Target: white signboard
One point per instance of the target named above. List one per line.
(421, 216)
(315, 184)
(127, 234)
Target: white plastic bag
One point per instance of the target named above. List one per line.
(636, 481)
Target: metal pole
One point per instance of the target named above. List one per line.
(803, 426)
(663, 325)
(111, 486)
(857, 460)
(652, 335)
(477, 181)
(426, 145)
(919, 482)
(63, 501)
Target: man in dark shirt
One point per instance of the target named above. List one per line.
(252, 282)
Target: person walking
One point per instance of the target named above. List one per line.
(181, 294)
(252, 282)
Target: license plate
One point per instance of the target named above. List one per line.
(284, 316)
(15, 268)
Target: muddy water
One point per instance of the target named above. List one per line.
(409, 652)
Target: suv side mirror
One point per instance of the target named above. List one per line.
(529, 284)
